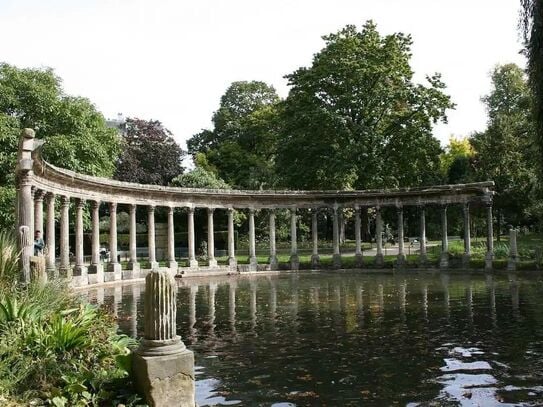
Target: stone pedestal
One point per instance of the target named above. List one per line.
(212, 263)
(253, 264)
(336, 261)
(96, 273)
(233, 263)
(359, 260)
(444, 260)
(113, 272)
(379, 260)
(274, 263)
(315, 261)
(80, 276)
(172, 265)
(294, 262)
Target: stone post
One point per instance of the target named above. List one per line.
(357, 237)
(489, 238)
(467, 237)
(232, 261)
(163, 367)
(336, 257)
(193, 263)
(379, 258)
(64, 269)
(253, 263)
(211, 239)
(294, 259)
(38, 211)
(273, 251)
(401, 252)
(50, 237)
(315, 259)
(423, 257)
(444, 258)
(151, 242)
(513, 252)
(113, 267)
(80, 270)
(133, 264)
(172, 264)
(96, 268)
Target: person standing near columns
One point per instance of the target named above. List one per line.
(153, 264)
(467, 237)
(379, 258)
(211, 238)
(64, 269)
(96, 268)
(193, 263)
(423, 258)
(315, 259)
(80, 270)
(232, 261)
(401, 252)
(489, 257)
(253, 263)
(336, 257)
(113, 267)
(133, 264)
(172, 264)
(50, 237)
(444, 258)
(273, 250)
(294, 259)
(357, 237)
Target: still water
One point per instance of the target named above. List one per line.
(328, 339)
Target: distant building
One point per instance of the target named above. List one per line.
(118, 123)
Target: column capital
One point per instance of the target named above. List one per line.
(230, 210)
(191, 209)
(39, 195)
(95, 204)
(399, 208)
(113, 206)
(50, 196)
(80, 203)
(465, 206)
(171, 209)
(293, 211)
(252, 211)
(210, 210)
(150, 208)
(65, 200)
(356, 208)
(132, 207)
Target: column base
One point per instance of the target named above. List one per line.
(154, 265)
(65, 272)
(212, 263)
(193, 263)
(423, 259)
(253, 264)
(294, 262)
(444, 261)
(336, 261)
(233, 263)
(172, 265)
(358, 260)
(95, 273)
(133, 265)
(488, 261)
(512, 264)
(315, 261)
(379, 260)
(400, 260)
(465, 260)
(274, 263)
(52, 272)
(80, 276)
(113, 272)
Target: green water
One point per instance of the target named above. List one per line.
(330, 339)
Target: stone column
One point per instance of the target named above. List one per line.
(64, 269)
(163, 367)
(80, 270)
(113, 267)
(294, 259)
(96, 268)
(172, 264)
(315, 259)
(357, 237)
(211, 239)
(232, 261)
(273, 251)
(253, 263)
(467, 237)
(379, 258)
(133, 254)
(401, 252)
(193, 263)
(336, 257)
(151, 244)
(489, 238)
(423, 257)
(50, 237)
(38, 212)
(513, 252)
(444, 259)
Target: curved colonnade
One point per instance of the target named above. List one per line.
(39, 182)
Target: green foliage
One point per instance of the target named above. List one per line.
(455, 162)
(9, 259)
(358, 117)
(7, 207)
(199, 178)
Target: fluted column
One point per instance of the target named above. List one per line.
(211, 239)
(192, 239)
(379, 258)
(401, 252)
(357, 237)
(315, 259)
(489, 238)
(422, 253)
(153, 264)
(113, 267)
(253, 264)
(273, 251)
(336, 257)
(294, 259)
(133, 254)
(38, 212)
(96, 268)
(444, 259)
(65, 269)
(513, 251)
(172, 264)
(232, 261)
(50, 237)
(467, 237)
(80, 270)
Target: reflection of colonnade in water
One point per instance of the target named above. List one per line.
(283, 302)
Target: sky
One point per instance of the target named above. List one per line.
(171, 60)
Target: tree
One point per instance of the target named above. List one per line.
(76, 134)
(355, 119)
(241, 147)
(150, 154)
(455, 162)
(505, 150)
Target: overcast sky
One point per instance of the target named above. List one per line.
(172, 60)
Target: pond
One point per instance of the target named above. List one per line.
(347, 339)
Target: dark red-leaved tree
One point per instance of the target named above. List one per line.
(150, 155)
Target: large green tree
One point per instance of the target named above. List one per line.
(76, 134)
(505, 150)
(356, 119)
(241, 146)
